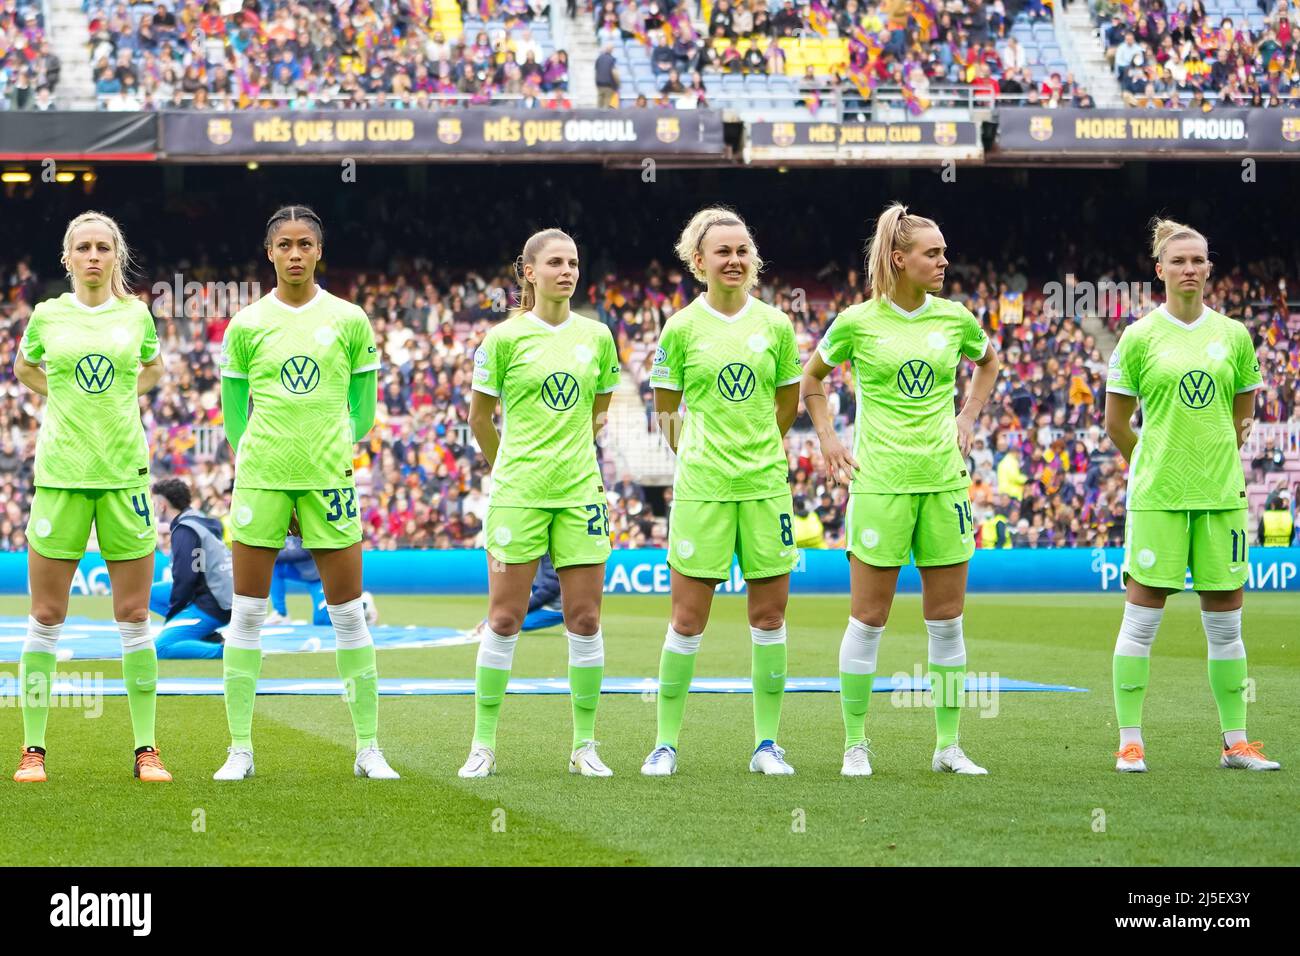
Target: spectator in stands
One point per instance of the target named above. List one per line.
(606, 78)
(1270, 460)
(1277, 522)
(1123, 55)
(721, 19)
(788, 21)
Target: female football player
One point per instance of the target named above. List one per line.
(554, 372)
(100, 352)
(910, 496)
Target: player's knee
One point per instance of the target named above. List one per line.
(504, 622)
(133, 614)
(767, 619)
(945, 610)
(688, 625)
(48, 615)
(584, 620)
(871, 616)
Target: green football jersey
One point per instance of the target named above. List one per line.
(905, 374)
(1185, 377)
(91, 435)
(299, 362)
(728, 368)
(547, 377)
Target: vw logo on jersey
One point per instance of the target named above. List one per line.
(560, 391)
(736, 382)
(95, 373)
(300, 374)
(1196, 389)
(915, 378)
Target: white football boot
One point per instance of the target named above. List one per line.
(857, 762)
(587, 762)
(770, 759)
(482, 762)
(371, 763)
(238, 765)
(953, 760)
(662, 762)
(1131, 758)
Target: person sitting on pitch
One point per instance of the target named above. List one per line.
(195, 603)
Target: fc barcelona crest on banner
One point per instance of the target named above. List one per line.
(668, 129)
(1291, 128)
(220, 131)
(449, 131)
(783, 134)
(1040, 128)
(945, 134)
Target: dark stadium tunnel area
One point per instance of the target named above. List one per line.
(462, 216)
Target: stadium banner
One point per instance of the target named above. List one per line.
(874, 140)
(449, 134)
(645, 571)
(26, 135)
(1132, 132)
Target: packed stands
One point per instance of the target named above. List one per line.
(1190, 55)
(29, 70)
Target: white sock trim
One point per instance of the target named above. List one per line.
(41, 638)
(1137, 632)
(135, 636)
(859, 647)
(1223, 634)
(586, 650)
(947, 644)
(349, 621)
(247, 615)
(682, 643)
(774, 636)
(497, 650)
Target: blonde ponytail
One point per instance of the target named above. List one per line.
(896, 229)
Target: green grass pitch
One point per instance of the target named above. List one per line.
(1052, 796)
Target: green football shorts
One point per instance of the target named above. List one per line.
(60, 520)
(328, 519)
(703, 536)
(574, 535)
(934, 528)
(1159, 547)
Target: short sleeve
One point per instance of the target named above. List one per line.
(788, 369)
(149, 347)
(609, 364)
(667, 371)
(365, 356)
(31, 344)
(234, 351)
(1246, 364)
(974, 343)
(1122, 378)
(488, 366)
(836, 345)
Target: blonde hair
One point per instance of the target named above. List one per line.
(532, 249)
(123, 264)
(692, 237)
(1165, 231)
(895, 229)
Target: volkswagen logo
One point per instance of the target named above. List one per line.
(300, 374)
(915, 378)
(736, 382)
(1196, 389)
(95, 373)
(560, 391)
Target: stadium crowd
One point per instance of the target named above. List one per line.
(1169, 55)
(302, 55)
(29, 69)
(1043, 473)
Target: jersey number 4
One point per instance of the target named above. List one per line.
(141, 505)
